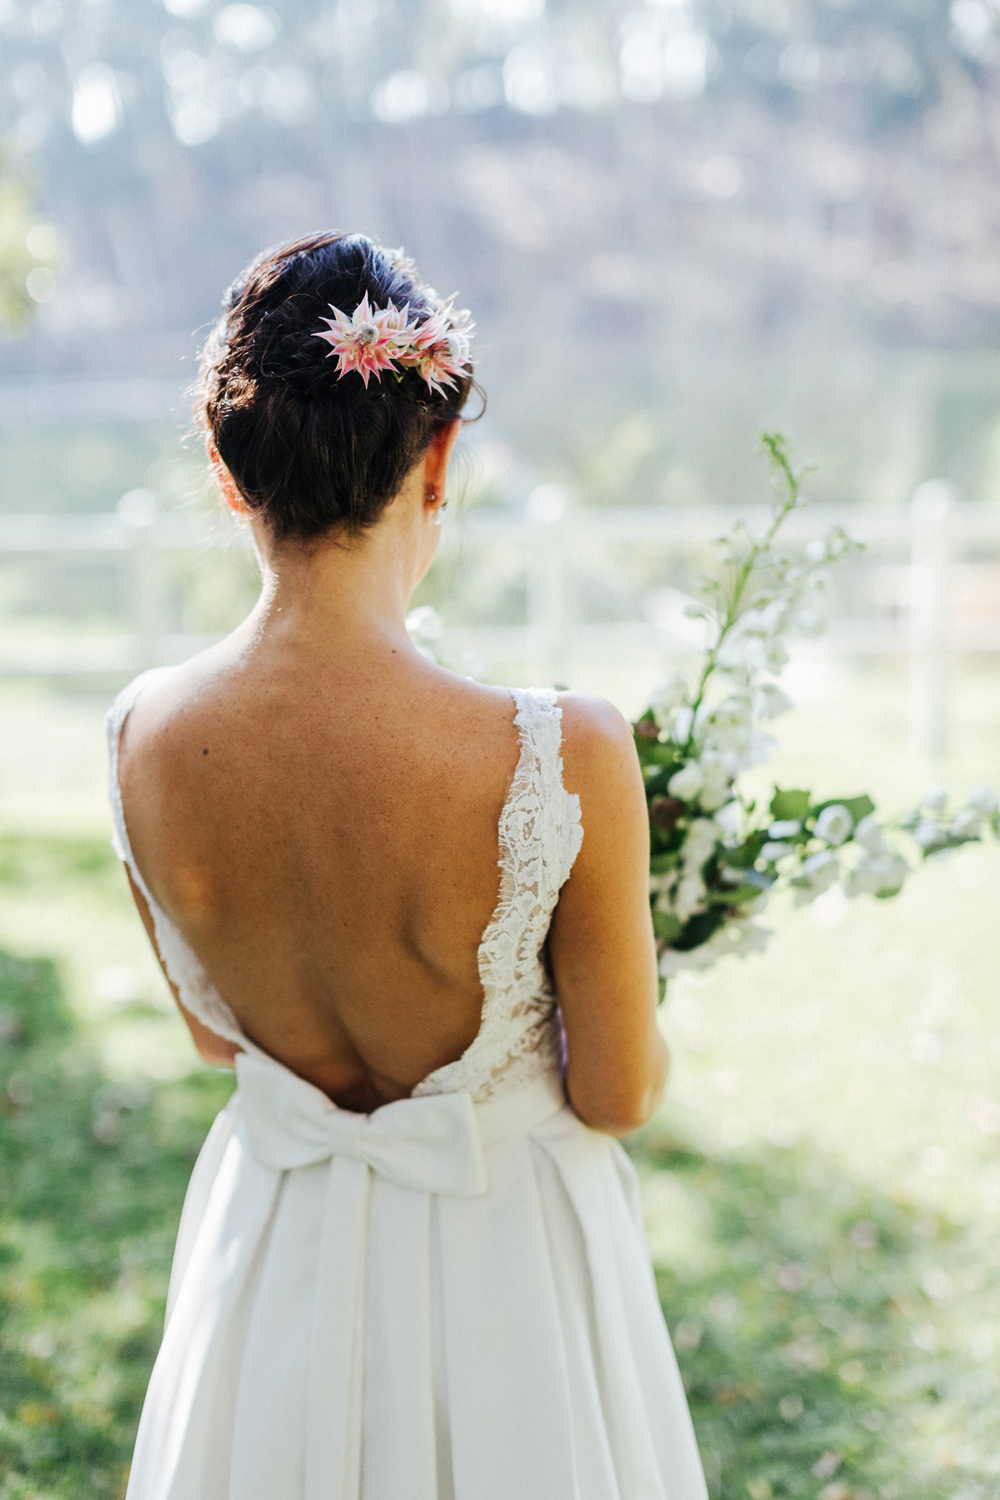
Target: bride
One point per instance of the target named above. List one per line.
(410, 1263)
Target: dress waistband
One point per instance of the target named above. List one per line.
(432, 1143)
(507, 1115)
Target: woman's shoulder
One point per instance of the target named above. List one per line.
(163, 698)
(593, 729)
(599, 759)
(148, 685)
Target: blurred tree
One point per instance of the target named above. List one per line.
(705, 215)
(16, 260)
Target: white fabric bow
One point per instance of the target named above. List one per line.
(430, 1144)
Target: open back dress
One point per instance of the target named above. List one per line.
(447, 1299)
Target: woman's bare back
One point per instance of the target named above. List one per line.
(325, 836)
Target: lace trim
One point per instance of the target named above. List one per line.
(540, 836)
(184, 970)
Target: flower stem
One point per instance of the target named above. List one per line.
(789, 480)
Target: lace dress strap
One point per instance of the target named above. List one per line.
(184, 970)
(540, 834)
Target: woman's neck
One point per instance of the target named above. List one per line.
(354, 591)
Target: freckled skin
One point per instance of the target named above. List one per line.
(333, 861)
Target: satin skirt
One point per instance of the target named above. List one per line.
(439, 1301)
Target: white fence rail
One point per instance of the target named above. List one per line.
(927, 538)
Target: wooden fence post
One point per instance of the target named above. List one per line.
(929, 538)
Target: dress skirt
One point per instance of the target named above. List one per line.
(438, 1301)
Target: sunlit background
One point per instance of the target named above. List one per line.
(675, 222)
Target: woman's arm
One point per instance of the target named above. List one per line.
(211, 1048)
(601, 941)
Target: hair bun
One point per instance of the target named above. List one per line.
(310, 443)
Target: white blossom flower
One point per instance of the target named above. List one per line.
(687, 782)
(765, 655)
(927, 834)
(758, 752)
(819, 871)
(870, 836)
(738, 937)
(769, 701)
(936, 799)
(965, 824)
(810, 622)
(730, 724)
(727, 820)
(983, 799)
(689, 895)
(751, 622)
(784, 828)
(878, 874)
(699, 845)
(716, 783)
(669, 693)
(682, 724)
(776, 850)
(834, 824)
(768, 620)
(733, 656)
(746, 937)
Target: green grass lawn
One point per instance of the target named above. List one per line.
(822, 1184)
(92, 1174)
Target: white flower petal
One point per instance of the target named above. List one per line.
(687, 782)
(983, 799)
(784, 828)
(834, 825)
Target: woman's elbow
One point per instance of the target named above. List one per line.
(620, 1112)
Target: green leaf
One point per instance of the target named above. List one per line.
(660, 755)
(742, 894)
(661, 863)
(858, 807)
(699, 928)
(663, 989)
(790, 804)
(666, 925)
(747, 853)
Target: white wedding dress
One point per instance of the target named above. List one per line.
(447, 1299)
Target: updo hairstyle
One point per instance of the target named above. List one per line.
(311, 452)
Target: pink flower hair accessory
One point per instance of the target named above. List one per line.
(376, 339)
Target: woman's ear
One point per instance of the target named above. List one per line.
(436, 459)
(226, 482)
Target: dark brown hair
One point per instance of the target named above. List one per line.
(308, 450)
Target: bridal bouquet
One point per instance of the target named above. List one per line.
(715, 856)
